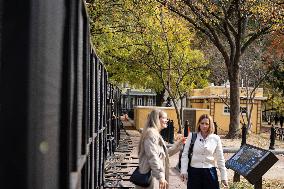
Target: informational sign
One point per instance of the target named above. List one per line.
(251, 162)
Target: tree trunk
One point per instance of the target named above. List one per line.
(181, 114)
(178, 116)
(234, 102)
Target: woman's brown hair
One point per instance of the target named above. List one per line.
(211, 123)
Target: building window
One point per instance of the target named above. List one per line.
(243, 110)
(139, 102)
(226, 109)
(150, 102)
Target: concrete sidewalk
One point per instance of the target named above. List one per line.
(175, 181)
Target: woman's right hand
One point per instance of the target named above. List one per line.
(183, 177)
(163, 184)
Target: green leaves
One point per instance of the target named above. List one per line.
(144, 44)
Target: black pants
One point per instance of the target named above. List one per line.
(202, 178)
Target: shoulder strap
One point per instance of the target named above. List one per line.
(193, 139)
(194, 136)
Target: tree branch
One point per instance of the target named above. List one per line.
(254, 37)
(216, 39)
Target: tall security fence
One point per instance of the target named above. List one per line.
(59, 115)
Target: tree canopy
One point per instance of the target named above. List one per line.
(274, 57)
(142, 43)
(145, 45)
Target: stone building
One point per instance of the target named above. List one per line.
(135, 97)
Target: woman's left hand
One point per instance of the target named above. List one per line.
(225, 183)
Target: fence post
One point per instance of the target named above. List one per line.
(186, 126)
(244, 135)
(164, 133)
(236, 177)
(171, 132)
(258, 184)
(272, 137)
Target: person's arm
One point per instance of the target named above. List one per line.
(221, 161)
(177, 146)
(184, 158)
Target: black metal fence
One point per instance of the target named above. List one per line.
(58, 112)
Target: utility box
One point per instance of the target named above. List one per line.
(251, 162)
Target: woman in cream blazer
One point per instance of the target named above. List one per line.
(152, 151)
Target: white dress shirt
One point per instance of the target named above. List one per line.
(206, 153)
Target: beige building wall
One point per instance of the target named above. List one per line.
(206, 101)
(223, 119)
(141, 113)
(201, 105)
(223, 91)
(208, 98)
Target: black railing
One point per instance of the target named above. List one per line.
(59, 115)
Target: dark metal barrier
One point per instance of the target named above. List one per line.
(59, 115)
(186, 128)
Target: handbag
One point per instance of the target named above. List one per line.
(140, 179)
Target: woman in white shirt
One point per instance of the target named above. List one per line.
(207, 151)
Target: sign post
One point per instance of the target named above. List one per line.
(252, 163)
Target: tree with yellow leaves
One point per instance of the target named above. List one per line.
(146, 45)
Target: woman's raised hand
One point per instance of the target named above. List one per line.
(180, 138)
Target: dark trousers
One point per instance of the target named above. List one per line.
(202, 178)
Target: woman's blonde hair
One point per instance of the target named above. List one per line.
(153, 121)
(211, 123)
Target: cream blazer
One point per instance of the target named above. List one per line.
(154, 155)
